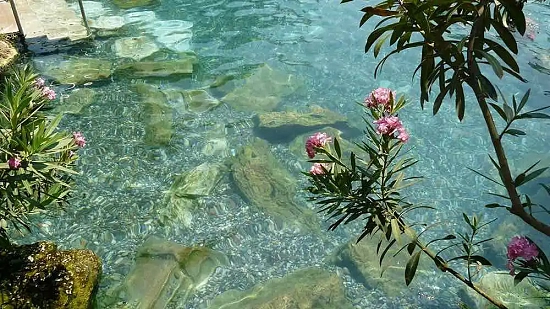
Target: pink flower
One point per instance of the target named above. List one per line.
(380, 97)
(316, 141)
(520, 247)
(39, 82)
(317, 168)
(79, 139)
(403, 134)
(14, 163)
(532, 28)
(49, 93)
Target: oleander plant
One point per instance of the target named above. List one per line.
(37, 160)
(368, 185)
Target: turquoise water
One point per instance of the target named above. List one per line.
(124, 180)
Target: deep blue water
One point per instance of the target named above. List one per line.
(123, 179)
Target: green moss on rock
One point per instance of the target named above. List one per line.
(269, 187)
(309, 288)
(40, 276)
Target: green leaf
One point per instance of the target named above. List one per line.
(499, 110)
(488, 88)
(396, 231)
(439, 100)
(410, 268)
(533, 116)
(337, 148)
(459, 102)
(523, 178)
(514, 132)
(480, 259)
(516, 14)
(379, 44)
(503, 54)
(497, 68)
(494, 205)
(466, 219)
(505, 35)
(524, 100)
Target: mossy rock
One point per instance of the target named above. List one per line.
(77, 100)
(158, 121)
(364, 264)
(128, 4)
(78, 70)
(309, 288)
(157, 68)
(286, 125)
(500, 285)
(269, 187)
(199, 100)
(262, 91)
(8, 54)
(40, 276)
(165, 270)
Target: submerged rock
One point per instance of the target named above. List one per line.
(180, 200)
(75, 70)
(364, 264)
(135, 48)
(262, 91)
(128, 4)
(40, 276)
(165, 271)
(107, 25)
(199, 100)
(158, 121)
(159, 68)
(287, 125)
(77, 100)
(269, 187)
(500, 285)
(310, 288)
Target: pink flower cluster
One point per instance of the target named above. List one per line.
(47, 92)
(316, 141)
(380, 97)
(14, 163)
(79, 139)
(388, 125)
(520, 247)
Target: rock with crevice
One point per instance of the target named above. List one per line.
(269, 187)
(73, 69)
(165, 271)
(500, 285)
(285, 125)
(157, 115)
(310, 288)
(180, 66)
(76, 101)
(364, 264)
(41, 276)
(181, 199)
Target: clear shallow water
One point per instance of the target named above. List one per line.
(123, 180)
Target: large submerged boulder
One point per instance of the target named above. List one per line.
(286, 125)
(41, 276)
(262, 91)
(165, 271)
(500, 285)
(269, 187)
(135, 48)
(157, 115)
(77, 100)
(364, 264)
(74, 70)
(309, 288)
